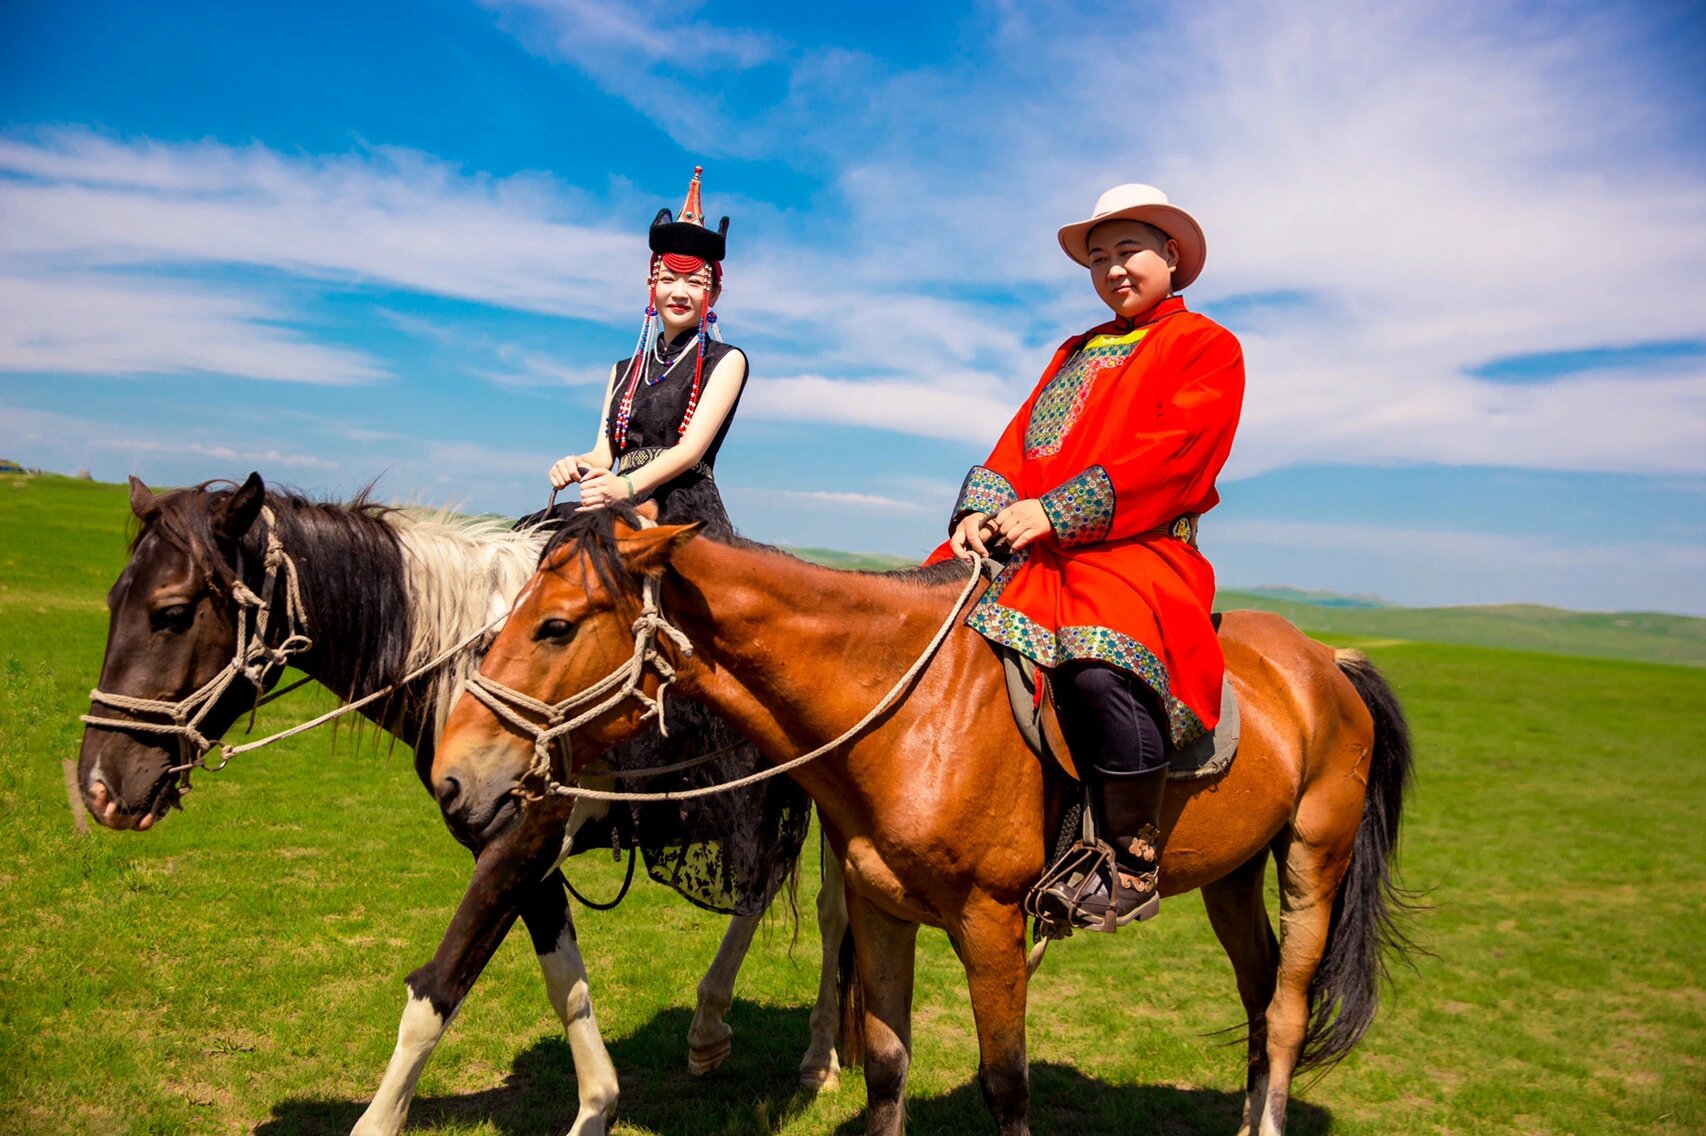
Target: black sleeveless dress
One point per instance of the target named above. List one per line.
(728, 852)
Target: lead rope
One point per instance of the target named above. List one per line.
(506, 702)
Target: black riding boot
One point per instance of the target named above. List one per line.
(1128, 818)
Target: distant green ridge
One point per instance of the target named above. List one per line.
(62, 542)
(1642, 636)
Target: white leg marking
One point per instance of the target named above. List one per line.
(417, 1034)
(821, 1067)
(708, 1037)
(565, 984)
(1254, 1100)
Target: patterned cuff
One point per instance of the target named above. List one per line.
(1082, 509)
(984, 491)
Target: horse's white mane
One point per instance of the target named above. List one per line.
(462, 573)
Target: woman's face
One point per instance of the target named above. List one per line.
(682, 297)
(1131, 265)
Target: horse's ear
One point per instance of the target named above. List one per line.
(141, 498)
(648, 509)
(233, 516)
(647, 550)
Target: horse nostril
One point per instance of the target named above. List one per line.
(449, 789)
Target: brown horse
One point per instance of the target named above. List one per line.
(940, 813)
(381, 591)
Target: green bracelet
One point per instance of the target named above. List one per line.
(629, 482)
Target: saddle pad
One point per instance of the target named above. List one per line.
(1208, 756)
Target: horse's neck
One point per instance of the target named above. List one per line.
(387, 595)
(794, 654)
(355, 597)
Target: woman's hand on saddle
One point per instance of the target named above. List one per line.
(600, 487)
(567, 471)
(1021, 523)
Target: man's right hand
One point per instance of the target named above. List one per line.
(967, 539)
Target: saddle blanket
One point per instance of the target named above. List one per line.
(1208, 756)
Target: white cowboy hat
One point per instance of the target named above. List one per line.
(1148, 204)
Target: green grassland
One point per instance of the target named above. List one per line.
(1641, 636)
(240, 968)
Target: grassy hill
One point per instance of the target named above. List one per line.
(1641, 636)
(240, 968)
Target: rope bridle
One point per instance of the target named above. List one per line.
(553, 722)
(252, 659)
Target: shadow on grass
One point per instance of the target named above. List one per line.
(1064, 1100)
(756, 1091)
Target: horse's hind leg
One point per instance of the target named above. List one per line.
(546, 913)
(708, 1036)
(886, 953)
(821, 1069)
(1239, 915)
(1312, 863)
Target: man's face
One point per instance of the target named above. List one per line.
(1131, 265)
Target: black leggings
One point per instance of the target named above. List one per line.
(1110, 717)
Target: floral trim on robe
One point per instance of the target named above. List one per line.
(1025, 635)
(983, 491)
(1081, 510)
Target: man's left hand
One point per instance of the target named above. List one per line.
(1021, 523)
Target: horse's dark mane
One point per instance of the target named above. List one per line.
(595, 533)
(350, 561)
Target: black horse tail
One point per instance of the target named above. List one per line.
(851, 996)
(1371, 904)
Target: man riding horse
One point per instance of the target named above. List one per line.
(1094, 492)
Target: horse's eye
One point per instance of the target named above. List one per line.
(554, 629)
(174, 618)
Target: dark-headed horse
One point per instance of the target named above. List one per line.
(940, 813)
(382, 592)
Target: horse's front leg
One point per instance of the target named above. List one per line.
(886, 949)
(546, 913)
(821, 1068)
(991, 942)
(504, 876)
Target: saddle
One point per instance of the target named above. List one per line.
(1032, 699)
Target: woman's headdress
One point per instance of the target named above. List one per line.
(681, 244)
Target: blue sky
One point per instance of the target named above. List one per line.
(1464, 247)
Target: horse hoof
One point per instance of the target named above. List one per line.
(709, 1059)
(820, 1080)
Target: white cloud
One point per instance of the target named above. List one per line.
(118, 325)
(1445, 184)
(837, 500)
(71, 442)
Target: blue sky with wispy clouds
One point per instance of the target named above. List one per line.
(1464, 247)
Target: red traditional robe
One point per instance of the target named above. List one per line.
(1121, 442)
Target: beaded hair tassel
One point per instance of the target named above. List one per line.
(625, 409)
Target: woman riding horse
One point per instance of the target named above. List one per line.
(1095, 489)
(667, 410)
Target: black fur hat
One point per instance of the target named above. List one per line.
(689, 236)
(684, 238)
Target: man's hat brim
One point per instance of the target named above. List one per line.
(1170, 219)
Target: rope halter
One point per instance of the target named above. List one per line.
(253, 660)
(556, 720)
